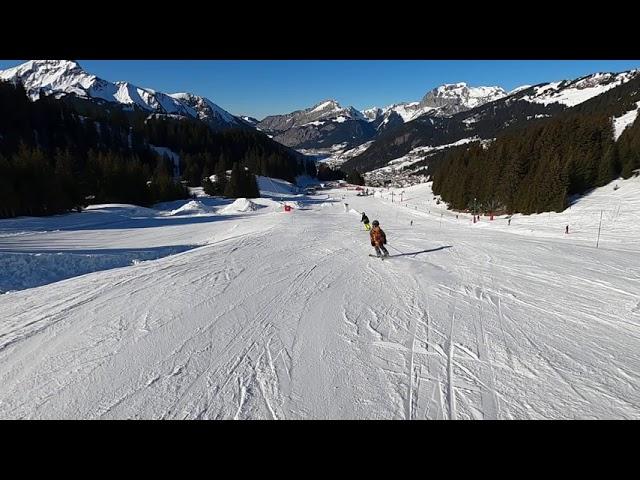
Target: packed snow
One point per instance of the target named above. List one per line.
(272, 314)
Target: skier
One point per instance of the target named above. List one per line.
(365, 220)
(378, 239)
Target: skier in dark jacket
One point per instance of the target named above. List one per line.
(365, 220)
(378, 239)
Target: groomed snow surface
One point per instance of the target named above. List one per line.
(283, 315)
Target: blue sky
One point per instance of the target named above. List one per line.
(266, 87)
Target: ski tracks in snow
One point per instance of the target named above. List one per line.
(292, 320)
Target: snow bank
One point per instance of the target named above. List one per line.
(124, 209)
(240, 205)
(19, 271)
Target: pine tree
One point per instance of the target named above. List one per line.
(252, 190)
(355, 178)
(233, 189)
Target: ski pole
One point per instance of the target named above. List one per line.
(396, 249)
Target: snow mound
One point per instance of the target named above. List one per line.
(194, 207)
(240, 205)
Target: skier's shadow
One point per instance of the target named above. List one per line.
(421, 251)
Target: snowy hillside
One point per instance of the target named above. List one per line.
(338, 156)
(283, 315)
(624, 121)
(574, 92)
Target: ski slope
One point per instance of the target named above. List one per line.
(283, 315)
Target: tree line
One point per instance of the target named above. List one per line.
(539, 167)
(58, 155)
(53, 160)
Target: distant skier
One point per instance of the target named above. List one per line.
(378, 239)
(365, 220)
(566, 230)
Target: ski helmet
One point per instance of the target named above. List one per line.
(375, 223)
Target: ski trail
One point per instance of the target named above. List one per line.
(451, 377)
(490, 403)
(243, 393)
(413, 346)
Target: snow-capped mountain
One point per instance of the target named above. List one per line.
(451, 113)
(326, 123)
(372, 113)
(61, 78)
(319, 114)
(450, 99)
(206, 110)
(442, 101)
